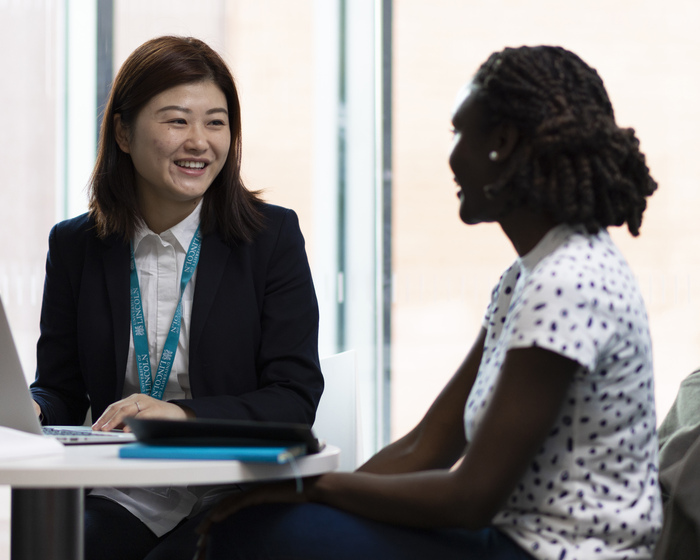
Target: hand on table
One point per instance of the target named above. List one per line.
(280, 492)
(139, 405)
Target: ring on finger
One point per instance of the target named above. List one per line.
(137, 406)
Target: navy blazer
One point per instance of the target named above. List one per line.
(253, 350)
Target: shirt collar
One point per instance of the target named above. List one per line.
(552, 239)
(181, 233)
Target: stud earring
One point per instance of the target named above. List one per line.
(493, 155)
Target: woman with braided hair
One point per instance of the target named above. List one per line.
(574, 163)
(543, 444)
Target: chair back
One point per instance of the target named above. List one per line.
(337, 418)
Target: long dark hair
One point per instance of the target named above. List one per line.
(573, 161)
(157, 65)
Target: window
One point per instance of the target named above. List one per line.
(305, 73)
(346, 111)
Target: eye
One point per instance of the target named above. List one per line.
(218, 123)
(177, 121)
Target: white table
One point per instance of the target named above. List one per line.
(47, 492)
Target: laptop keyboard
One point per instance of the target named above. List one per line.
(51, 431)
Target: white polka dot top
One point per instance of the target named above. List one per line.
(592, 490)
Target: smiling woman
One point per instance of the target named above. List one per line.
(180, 294)
(543, 443)
(477, 158)
(157, 68)
(178, 144)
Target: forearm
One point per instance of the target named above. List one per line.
(438, 441)
(59, 386)
(272, 404)
(396, 458)
(422, 500)
(60, 408)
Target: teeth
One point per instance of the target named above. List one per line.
(191, 164)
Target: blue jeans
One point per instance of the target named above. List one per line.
(318, 532)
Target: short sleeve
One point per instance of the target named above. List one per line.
(565, 308)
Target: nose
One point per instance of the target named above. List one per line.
(452, 153)
(451, 159)
(197, 139)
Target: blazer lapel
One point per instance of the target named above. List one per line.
(116, 268)
(210, 271)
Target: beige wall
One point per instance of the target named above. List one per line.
(647, 54)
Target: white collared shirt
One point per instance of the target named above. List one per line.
(159, 262)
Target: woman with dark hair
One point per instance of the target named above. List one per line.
(543, 445)
(180, 294)
(157, 66)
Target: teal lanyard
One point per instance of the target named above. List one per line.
(156, 387)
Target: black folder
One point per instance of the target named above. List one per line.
(200, 432)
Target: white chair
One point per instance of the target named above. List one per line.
(337, 419)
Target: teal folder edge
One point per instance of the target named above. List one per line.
(277, 455)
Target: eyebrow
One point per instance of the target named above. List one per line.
(186, 110)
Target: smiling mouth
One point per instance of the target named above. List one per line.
(191, 164)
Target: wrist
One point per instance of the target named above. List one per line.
(39, 413)
(186, 411)
(317, 488)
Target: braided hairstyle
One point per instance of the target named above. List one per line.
(573, 161)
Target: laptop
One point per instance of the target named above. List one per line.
(16, 408)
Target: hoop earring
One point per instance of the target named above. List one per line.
(493, 155)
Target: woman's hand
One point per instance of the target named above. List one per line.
(140, 405)
(281, 492)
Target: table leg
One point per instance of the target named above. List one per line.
(47, 524)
